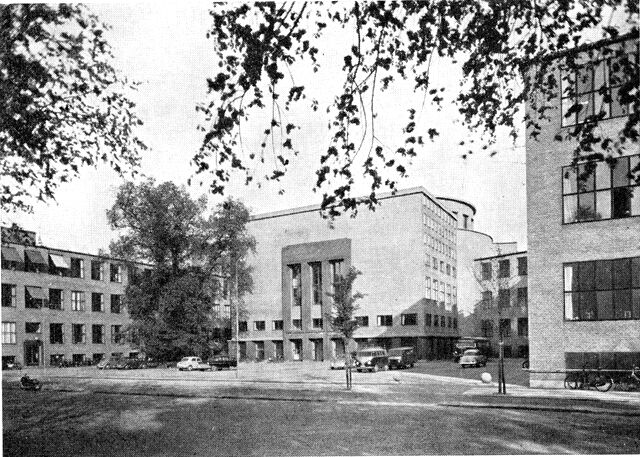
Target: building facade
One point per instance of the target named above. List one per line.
(60, 305)
(583, 226)
(406, 251)
(503, 309)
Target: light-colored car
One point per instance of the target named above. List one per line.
(473, 358)
(192, 363)
(372, 359)
(339, 363)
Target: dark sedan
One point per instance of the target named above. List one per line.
(223, 361)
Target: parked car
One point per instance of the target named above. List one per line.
(473, 358)
(122, 364)
(132, 363)
(192, 363)
(402, 357)
(339, 363)
(223, 361)
(108, 363)
(372, 359)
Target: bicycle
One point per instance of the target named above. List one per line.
(630, 382)
(587, 379)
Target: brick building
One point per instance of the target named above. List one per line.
(503, 307)
(59, 304)
(406, 251)
(583, 227)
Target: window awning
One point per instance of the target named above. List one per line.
(37, 293)
(10, 254)
(36, 257)
(59, 261)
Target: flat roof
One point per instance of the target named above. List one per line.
(500, 255)
(473, 208)
(382, 196)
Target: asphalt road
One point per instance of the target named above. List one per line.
(339, 423)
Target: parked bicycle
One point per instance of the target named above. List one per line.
(586, 379)
(631, 381)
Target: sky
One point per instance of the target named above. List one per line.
(164, 46)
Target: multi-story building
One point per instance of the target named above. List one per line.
(406, 251)
(583, 224)
(59, 304)
(503, 309)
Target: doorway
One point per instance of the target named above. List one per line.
(32, 350)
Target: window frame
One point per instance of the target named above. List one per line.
(12, 295)
(408, 319)
(10, 332)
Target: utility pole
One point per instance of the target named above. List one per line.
(236, 323)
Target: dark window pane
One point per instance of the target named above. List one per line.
(588, 306)
(605, 305)
(587, 277)
(573, 360)
(603, 175)
(586, 207)
(622, 202)
(621, 172)
(603, 275)
(635, 272)
(608, 360)
(622, 304)
(586, 177)
(603, 204)
(591, 359)
(635, 299)
(621, 273)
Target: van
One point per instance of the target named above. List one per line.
(402, 357)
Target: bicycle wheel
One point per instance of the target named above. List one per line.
(571, 382)
(603, 383)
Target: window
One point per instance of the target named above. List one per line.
(97, 334)
(504, 269)
(34, 297)
(297, 324)
(296, 287)
(522, 296)
(454, 271)
(455, 322)
(448, 295)
(441, 266)
(487, 299)
(427, 287)
(409, 319)
(242, 326)
(522, 266)
(11, 259)
(56, 359)
(448, 269)
(35, 262)
(434, 263)
(505, 327)
(9, 295)
(317, 323)
(602, 290)
(487, 328)
(56, 299)
(316, 283)
(277, 325)
(385, 321)
(116, 304)
(116, 334)
(259, 326)
(605, 360)
(8, 333)
(215, 309)
(32, 327)
(227, 311)
(486, 271)
(594, 89)
(599, 190)
(259, 350)
(363, 321)
(449, 322)
(336, 271)
(116, 272)
(97, 302)
(427, 320)
(442, 292)
(77, 268)
(436, 320)
(56, 336)
(78, 334)
(443, 322)
(97, 270)
(504, 298)
(77, 301)
(523, 326)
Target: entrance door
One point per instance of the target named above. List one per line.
(279, 350)
(318, 353)
(32, 353)
(296, 346)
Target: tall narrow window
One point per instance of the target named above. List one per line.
(8, 333)
(9, 295)
(97, 270)
(78, 334)
(56, 299)
(336, 271)
(486, 271)
(97, 302)
(522, 266)
(116, 272)
(504, 269)
(316, 283)
(116, 304)
(296, 285)
(77, 268)
(56, 335)
(77, 301)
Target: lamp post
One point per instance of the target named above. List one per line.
(237, 318)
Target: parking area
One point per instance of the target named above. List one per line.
(513, 372)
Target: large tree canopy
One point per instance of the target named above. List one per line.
(62, 103)
(260, 46)
(194, 262)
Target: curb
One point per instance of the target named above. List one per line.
(559, 409)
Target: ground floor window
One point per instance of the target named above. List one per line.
(56, 359)
(242, 346)
(278, 348)
(604, 360)
(77, 359)
(259, 350)
(97, 357)
(296, 349)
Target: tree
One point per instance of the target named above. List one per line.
(63, 104)
(171, 299)
(341, 319)
(260, 46)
